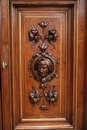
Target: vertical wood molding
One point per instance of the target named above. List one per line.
(85, 85)
(0, 72)
(80, 79)
(5, 73)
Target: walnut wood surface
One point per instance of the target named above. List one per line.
(0, 72)
(70, 112)
(85, 75)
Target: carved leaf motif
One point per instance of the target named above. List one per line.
(43, 24)
(51, 96)
(43, 86)
(43, 107)
(51, 36)
(34, 35)
(35, 97)
(43, 47)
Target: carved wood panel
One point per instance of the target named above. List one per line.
(43, 65)
(43, 95)
(56, 52)
(43, 34)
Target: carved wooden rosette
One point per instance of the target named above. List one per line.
(43, 65)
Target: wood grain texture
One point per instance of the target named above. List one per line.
(0, 73)
(17, 17)
(81, 51)
(85, 85)
(5, 77)
(23, 18)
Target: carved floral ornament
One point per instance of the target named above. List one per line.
(34, 34)
(43, 65)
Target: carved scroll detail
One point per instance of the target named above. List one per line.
(43, 65)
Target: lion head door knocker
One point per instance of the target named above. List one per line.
(43, 65)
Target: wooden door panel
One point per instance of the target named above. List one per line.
(34, 110)
(67, 21)
(23, 18)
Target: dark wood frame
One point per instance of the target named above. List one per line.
(5, 87)
(0, 73)
(85, 74)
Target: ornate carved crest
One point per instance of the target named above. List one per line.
(43, 65)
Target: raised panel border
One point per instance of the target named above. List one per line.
(6, 88)
(67, 124)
